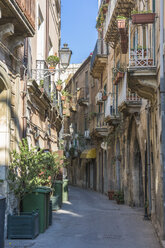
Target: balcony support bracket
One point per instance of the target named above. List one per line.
(6, 30)
(143, 82)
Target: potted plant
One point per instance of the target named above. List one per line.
(52, 60)
(59, 85)
(119, 197)
(104, 8)
(104, 97)
(22, 178)
(121, 22)
(41, 85)
(143, 17)
(64, 94)
(111, 194)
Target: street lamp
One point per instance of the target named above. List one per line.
(65, 55)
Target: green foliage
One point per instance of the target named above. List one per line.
(59, 82)
(119, 197)
(141, 12)
(121, 18)
(53, 60)
(23, 170)
(31, 168)
(41, 83)
(65, 93)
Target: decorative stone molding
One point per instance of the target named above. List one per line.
(16, 42)
(6, 30)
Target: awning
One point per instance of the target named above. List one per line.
(89, 154)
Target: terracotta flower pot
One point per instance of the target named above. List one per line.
(144, 18)
(63, 98)
(59, 87)
(121, 24)
(111, 195)
(104, 97)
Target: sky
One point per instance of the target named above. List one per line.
(78, 21)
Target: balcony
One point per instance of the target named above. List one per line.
(142, 74)
(87, 134)
(128, 102)
(101, 127)
(99, 98)
(21, 14)
(112, 116)
(116, 8)
(99, 58)
(83, 96)
(73, 104)
(42, 76)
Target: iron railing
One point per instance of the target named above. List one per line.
(101, 49)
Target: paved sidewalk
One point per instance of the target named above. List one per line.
(90, 220)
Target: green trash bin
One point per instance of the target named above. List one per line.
(55, 202)
(58, 191)
(65, 190)
(39, 200)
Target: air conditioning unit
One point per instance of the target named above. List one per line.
(99, 98)
(86, 134)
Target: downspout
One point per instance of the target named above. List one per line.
(148, 159)
(24, 93)
(47, 29)
(162, 97)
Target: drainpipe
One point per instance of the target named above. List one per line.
(162, 97)
(47, 29)
(148, 159)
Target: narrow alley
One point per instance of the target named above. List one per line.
(90, 220)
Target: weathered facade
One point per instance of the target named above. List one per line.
(127, 129)
(29, 33)
(42, 102)
(17, 21)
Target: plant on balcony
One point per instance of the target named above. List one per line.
(41, 86)
(121, 22)
(143, 17)
(52, 60)
(118, 75)
(64, 95)
(59, 85)
(104, 97)
(92, 115)
(104, 8)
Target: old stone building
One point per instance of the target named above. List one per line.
(30, 106)
(127, 125)
(17, 21)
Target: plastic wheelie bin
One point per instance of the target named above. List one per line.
(39, 200)
(58, 191)
(65, 190)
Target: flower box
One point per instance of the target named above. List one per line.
(23, 226)
(143, 18)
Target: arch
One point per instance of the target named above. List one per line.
(134, 170)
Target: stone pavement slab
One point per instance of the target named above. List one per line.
(90, 220)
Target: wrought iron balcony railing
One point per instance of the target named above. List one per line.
(100, 51)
